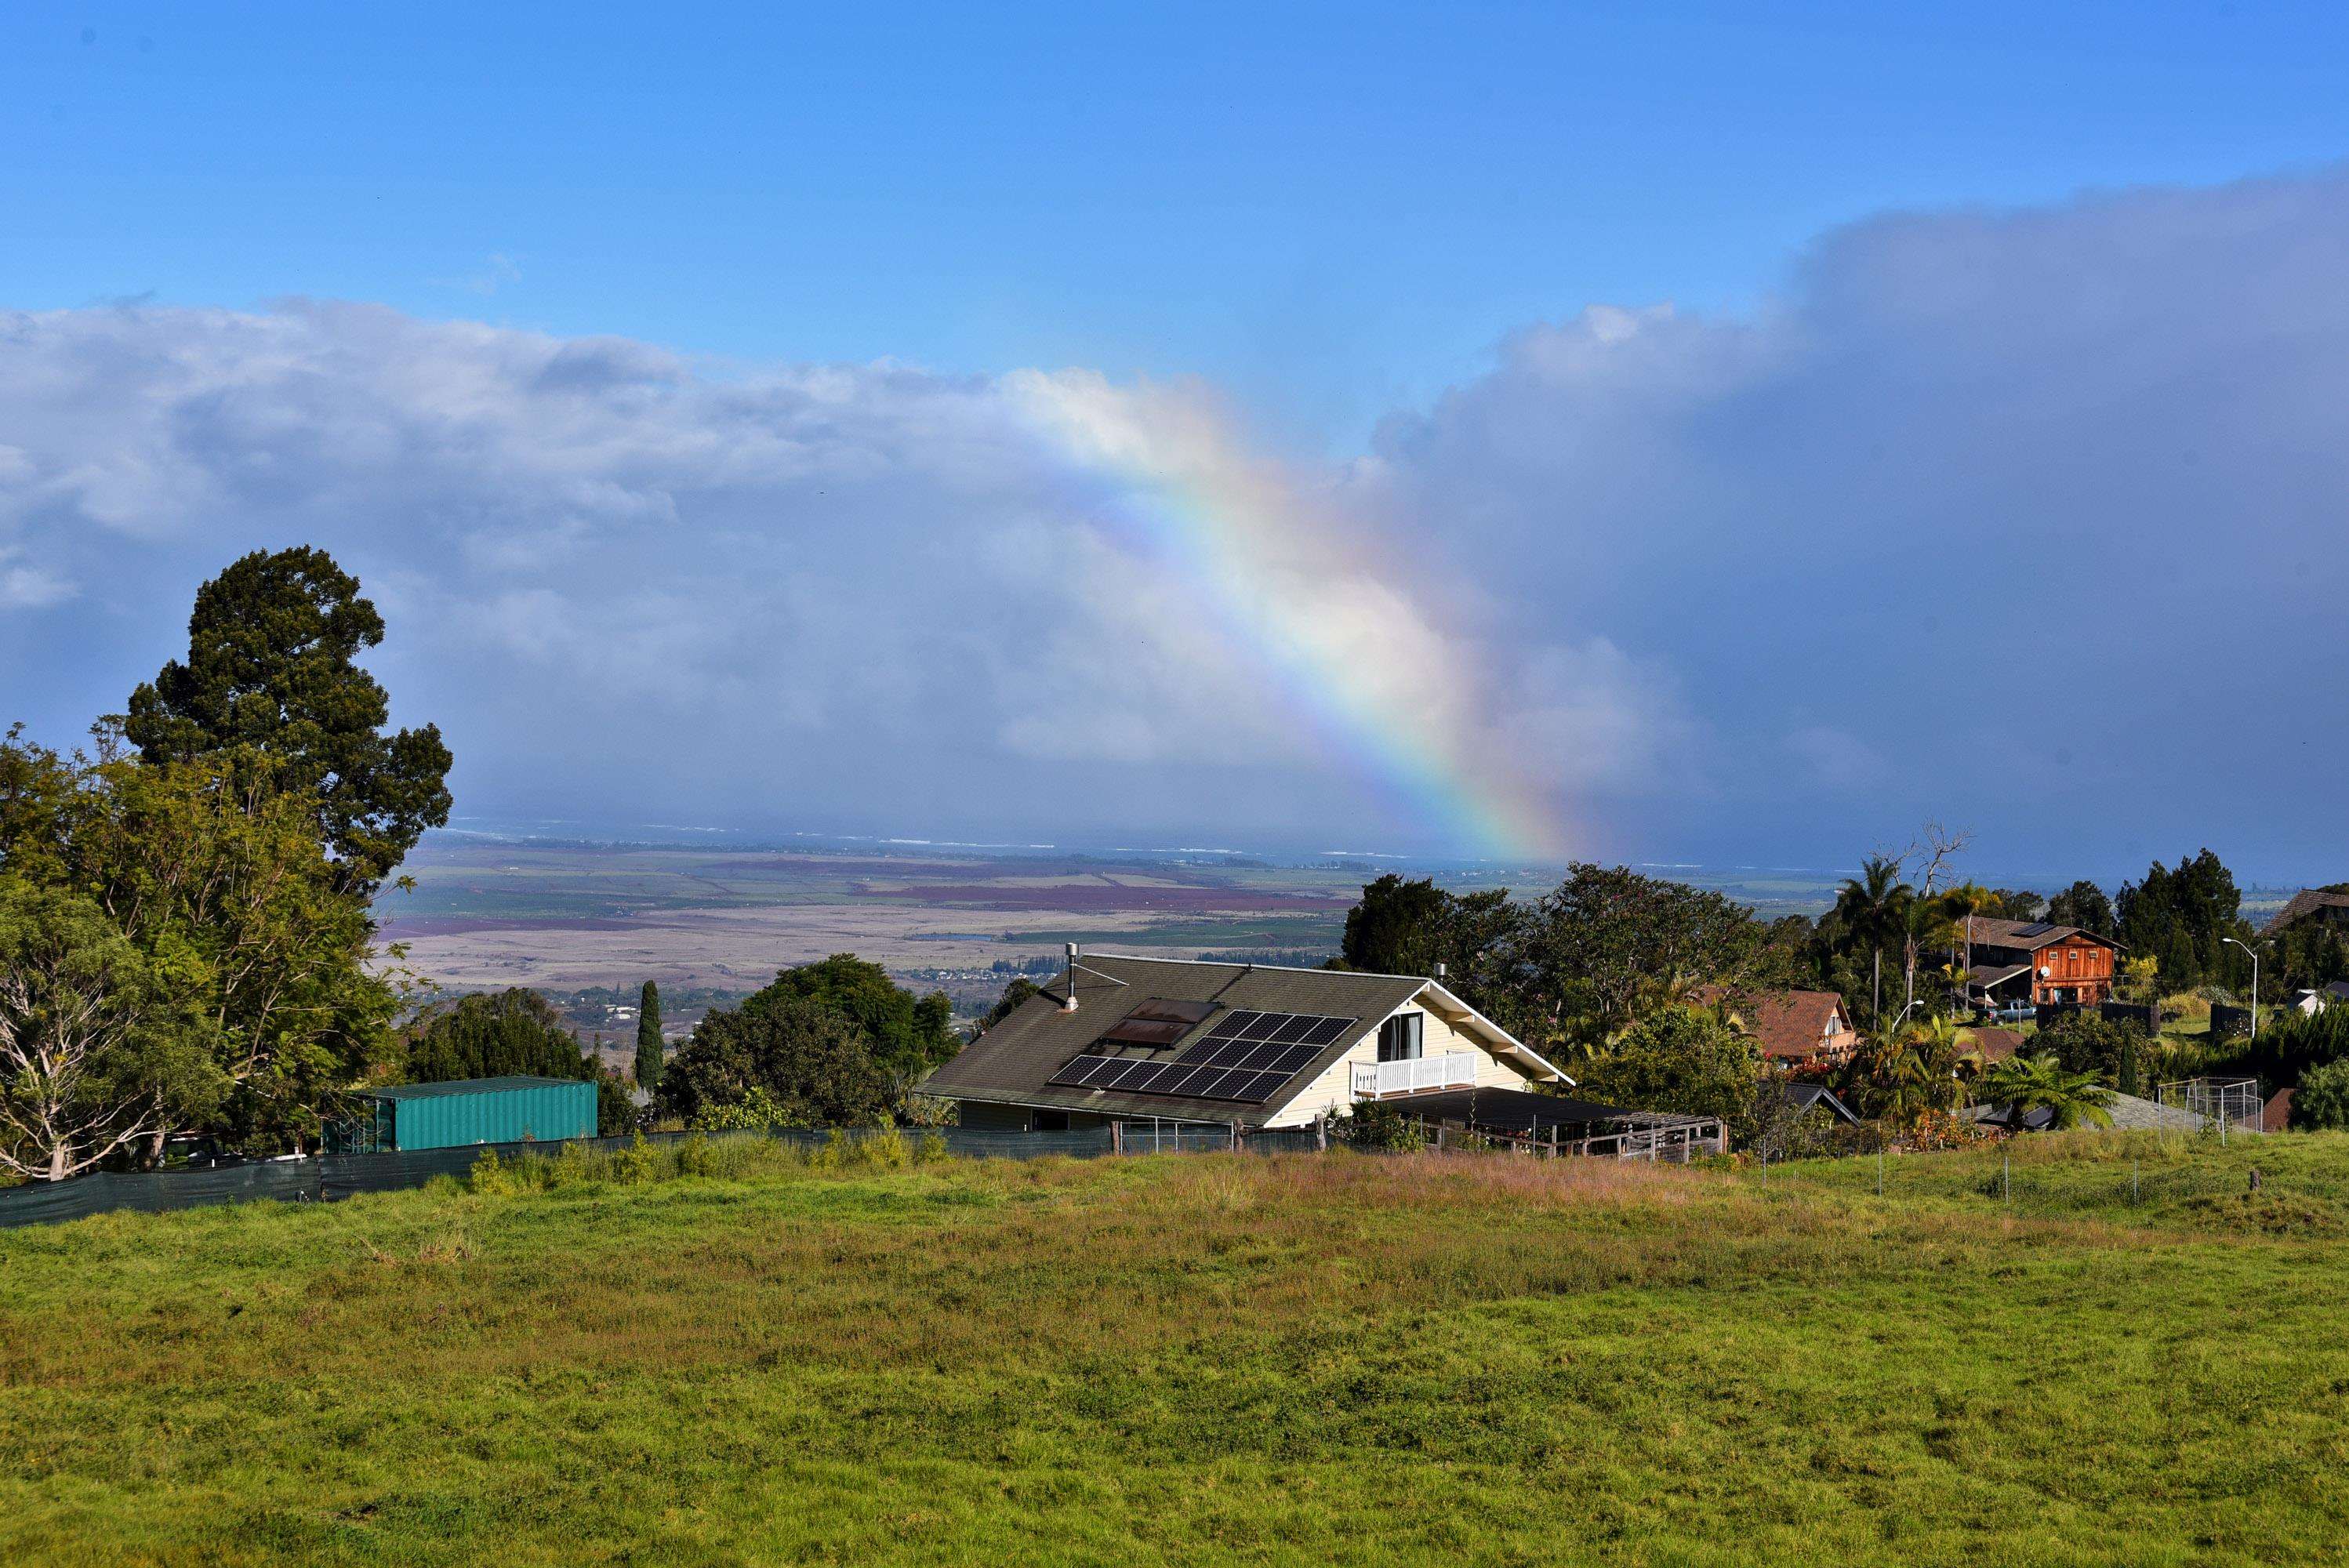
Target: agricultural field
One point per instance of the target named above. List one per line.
(1247, 1358)
(487, 914)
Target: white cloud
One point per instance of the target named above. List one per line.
(2031, 521)
(26, 587)
(780, 590)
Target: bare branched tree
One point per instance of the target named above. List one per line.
(76, 1083)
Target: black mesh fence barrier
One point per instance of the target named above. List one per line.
(326, 1178)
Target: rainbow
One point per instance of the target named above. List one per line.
(1322, 606)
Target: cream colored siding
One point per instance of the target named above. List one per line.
(1334, 1089)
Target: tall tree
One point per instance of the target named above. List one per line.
(2182, 915)
(1409, 927)
(1017, 990)
(2014, 904)
(1609, 944)
(1912, 1068)
(271, 682)
(1873, 905)
(2083, 904)
(648, 1038)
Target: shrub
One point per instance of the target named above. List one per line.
(2323, 1098)
(1380, 1124)
(2287, 1050)
(1683, 1060)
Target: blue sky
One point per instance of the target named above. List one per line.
(1329, 209)
(1713, 422)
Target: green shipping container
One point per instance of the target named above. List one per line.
(476, 1110)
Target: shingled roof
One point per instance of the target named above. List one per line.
(2029, 935)
(1793, 1024)
(1012, 1062)
(2308, 900)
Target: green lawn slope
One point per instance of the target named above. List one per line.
(1284, 1359)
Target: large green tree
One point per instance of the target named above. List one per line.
(1911, 1068)
(227, 889)
(1608, 945)
(272, 682)
(905, 1036)
(807, 1064)
(1409, 927)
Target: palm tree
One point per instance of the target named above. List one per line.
(1962, 903)
(2021, 1084)
(1910, 1068)
(1871, 904)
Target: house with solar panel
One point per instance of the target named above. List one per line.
(1120, 1038)
(2035, 963)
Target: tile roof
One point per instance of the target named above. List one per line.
(2276, 1115)
(1010, 1063)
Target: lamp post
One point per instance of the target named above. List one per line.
(2255, 982)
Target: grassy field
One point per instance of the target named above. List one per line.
(1212, 1358)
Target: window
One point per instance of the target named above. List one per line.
(1048, 1121)
(1399, 1038)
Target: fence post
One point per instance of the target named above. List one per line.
(1116, 1136)
(1321, 1133)
(1235, 1137)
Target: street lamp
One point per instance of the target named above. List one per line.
(2255, 982)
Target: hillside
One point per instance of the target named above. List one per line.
(1255, 1359)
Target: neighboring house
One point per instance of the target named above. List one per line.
(1795, 1025)
(1806, 1098)
(2276, 1115)
(2034, 962)
(1119, 1038)
(2312, 904)
(2308, 1003)
(1995, 1046)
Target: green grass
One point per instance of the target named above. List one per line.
(1288, 1360)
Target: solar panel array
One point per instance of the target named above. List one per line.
(1244, 1056)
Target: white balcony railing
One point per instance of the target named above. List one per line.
(1453, 1069)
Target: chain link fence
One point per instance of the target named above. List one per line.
(2275, 1180)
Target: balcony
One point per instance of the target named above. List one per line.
(1453, 1069)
